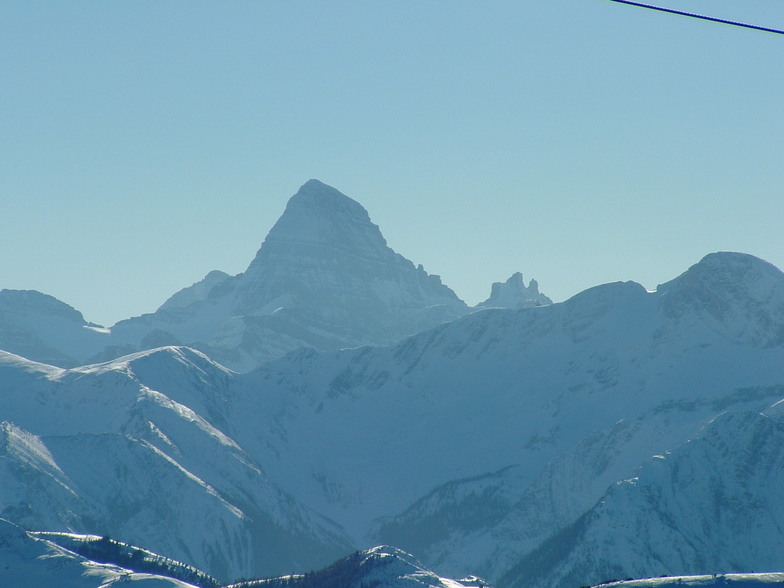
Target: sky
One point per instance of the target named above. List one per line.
(143, 144)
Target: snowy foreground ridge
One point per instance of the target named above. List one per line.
(64, 560)
(619, 434)
(709, 581)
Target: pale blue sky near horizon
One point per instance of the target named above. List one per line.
(143, 144)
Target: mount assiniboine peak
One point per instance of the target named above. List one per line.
(323, 278)
(324, 264)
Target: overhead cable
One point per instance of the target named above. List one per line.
(701, 16)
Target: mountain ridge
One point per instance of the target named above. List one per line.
(324, 277)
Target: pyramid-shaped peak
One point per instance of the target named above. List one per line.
(320, 222)
(316, 197)
(324, 252)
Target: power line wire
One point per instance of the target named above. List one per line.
(701, 16)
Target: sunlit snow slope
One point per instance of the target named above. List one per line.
(132, 449)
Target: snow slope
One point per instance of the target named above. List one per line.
(41, 328)
(97, 450)
(713, 503)
(471, 444)
(42, 560)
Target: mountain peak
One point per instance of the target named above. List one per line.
(321, 220)
(326, 265)
(32, 301)
(324, 277)
(726, 275)
(514, 294)
(318, 196)
(739, 294)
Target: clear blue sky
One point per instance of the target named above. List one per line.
(143, 144)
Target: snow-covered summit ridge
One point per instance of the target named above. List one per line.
(36, 559)
(731, 273)
(735, 293)
(32, 301)
(42, 328)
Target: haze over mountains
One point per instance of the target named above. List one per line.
(323, 278)
(621, 433)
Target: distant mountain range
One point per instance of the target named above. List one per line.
(323, 278)
(622, 433)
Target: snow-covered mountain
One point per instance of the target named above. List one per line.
(712, 503)
(100, 450)
(506, 443)
(41, 328)
(487, 435)
(324, 278)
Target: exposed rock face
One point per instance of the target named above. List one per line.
(514, 294)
